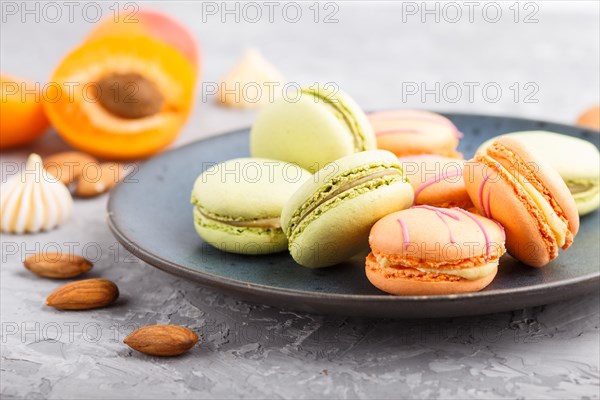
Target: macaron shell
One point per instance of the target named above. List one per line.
(240, 240)
(412, 132)
(362, 119)
(346, 102)
(550, 178)
(342, 231)
(330, 172)
(527, 238)
(396, 282)
(436, 238)
(572, 157)
(248, 188)
(307, 132)
(437, 181)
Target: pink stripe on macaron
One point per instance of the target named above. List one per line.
(441, 213)
(481, 186)
(485, 233)
(405, 237)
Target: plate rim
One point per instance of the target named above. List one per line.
(238, 286)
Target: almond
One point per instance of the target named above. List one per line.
(95, 182)
(57, 265)
(68, 165)
(84, 295)
(162, 340)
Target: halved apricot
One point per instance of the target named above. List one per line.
(153, 23)
(121, 97)
(22, 117)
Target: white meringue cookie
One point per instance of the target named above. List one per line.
(33, 201)
(253, 82)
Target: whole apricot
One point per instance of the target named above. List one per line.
(22, 117)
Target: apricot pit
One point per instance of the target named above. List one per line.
(129, 95)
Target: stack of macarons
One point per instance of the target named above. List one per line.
(272, 202)
(515, 197)
(327, 183)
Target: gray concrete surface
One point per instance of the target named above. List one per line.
(255, 351)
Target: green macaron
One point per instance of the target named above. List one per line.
(576, 160)
(319, 126)
(238, 203)
(328, 219)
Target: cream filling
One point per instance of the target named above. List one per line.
(471, 274)
(581, 189)
(255, 223)
(579, 186)
(349, 186)
(343, 114)
(558, 226)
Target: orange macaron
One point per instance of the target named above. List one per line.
(512, 184)
(412, 132)
(427, 250)
(437, 181)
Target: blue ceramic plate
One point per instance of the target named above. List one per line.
(152, 218)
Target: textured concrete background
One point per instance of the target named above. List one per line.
(253, 351)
